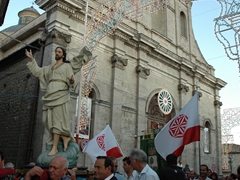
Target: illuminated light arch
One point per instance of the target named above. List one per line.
(104, 20)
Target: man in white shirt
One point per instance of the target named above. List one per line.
(204, 172)
(130, 173)
(180, 165)
(138, 160)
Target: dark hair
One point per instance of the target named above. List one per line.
(64, 54)
(127, 159)
(108, 162)
(205, 166)
(238, 170)
(233, 175)
(171, 159)
(1, 155)
(214, 174)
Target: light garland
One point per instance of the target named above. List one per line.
(227, 26)
(104, 20)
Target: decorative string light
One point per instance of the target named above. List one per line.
(228, 26)
(104, 21)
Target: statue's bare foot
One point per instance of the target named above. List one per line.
(66, 140)
(52, 152)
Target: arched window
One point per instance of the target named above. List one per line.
(156, 119)
(183, 23)
(207, 137)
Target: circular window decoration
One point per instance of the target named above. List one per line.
(165, 101)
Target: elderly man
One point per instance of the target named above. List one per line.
(138, 160)
(104, 168)
(58, 169)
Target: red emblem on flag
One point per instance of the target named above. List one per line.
(100, 142)
(178, 125)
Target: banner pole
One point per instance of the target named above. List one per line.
(80, 80)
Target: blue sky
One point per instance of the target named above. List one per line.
(203, 14)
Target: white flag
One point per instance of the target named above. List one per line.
(104, 144)
(181, 130)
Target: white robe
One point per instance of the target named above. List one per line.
(55, 83)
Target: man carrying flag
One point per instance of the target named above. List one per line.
(104, 144)
(183, 129)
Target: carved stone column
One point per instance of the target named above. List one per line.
(118, 78)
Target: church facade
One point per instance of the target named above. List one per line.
(141, 57)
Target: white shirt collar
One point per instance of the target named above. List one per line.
(109, 177)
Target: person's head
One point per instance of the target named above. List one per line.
(214, 176)
(203, 170)
(192, 174)
(209, 172)
(1, 160)
(180, 161)
(127, 165)
(58, 167)
(238, 170)
(232, 176)
(103, 167)
(171, 160)
(60, 53)
(138, 159)
(115, 164)
(186, 166)
(9, 165)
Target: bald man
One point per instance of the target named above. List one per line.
(58, 169)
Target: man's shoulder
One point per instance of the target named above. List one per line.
(171, 173)
(114, 178)
(119, 176)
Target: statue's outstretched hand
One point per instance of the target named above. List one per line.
(71, 80)
(29, 54)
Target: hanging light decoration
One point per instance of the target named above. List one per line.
(104, 20)
(227, 27)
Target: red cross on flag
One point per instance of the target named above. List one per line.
(104, 144)
(181, 130)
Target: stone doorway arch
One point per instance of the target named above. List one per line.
(154, 114)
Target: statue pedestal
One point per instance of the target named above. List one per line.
(71, 154)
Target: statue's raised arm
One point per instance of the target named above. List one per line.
(81, 59)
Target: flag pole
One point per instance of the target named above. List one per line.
(80, 81)
(199, 151)
(199, 148)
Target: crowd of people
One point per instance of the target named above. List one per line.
(135, 167)
(206, 173)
